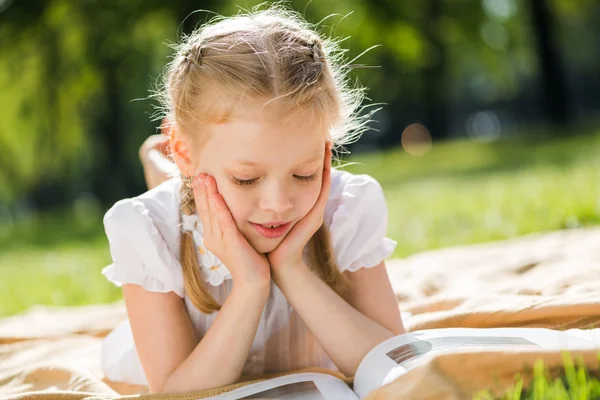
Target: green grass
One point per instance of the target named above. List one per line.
(460, 192)
(54, 259)
(468, 192)
(572, 382)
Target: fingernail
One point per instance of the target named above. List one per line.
(198, 181)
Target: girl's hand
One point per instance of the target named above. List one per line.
(223, 239)
(289, 251)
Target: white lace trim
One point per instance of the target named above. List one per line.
(211, 268)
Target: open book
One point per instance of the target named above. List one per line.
(391, 359)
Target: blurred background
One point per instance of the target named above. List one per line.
(490, 127)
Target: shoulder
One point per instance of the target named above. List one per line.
(143, 236)
(350, 191)
(356, 216)
(157, 206)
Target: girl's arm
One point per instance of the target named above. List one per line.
(346, 331)
(172, 358)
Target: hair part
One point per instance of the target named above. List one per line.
(270, 53)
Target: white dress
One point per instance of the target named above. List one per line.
(144, 234)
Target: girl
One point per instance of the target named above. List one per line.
(260, 257)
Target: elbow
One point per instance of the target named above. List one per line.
(159, 387)
(165, 387)
(350, 368)
(386, 334)
(349, 371)
(172, 385)
(152, 389)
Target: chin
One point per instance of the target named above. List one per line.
(267, 246)
(262, 245)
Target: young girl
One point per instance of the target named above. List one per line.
(260, 257)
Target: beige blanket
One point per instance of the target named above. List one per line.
(546, 280)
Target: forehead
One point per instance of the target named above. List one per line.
(253, 134)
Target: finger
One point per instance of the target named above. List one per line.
(224, 215)
(211, 191)
(315, 215)
(328, 157)
(325, 186)
(199, 189)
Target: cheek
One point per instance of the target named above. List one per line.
(237, 203)
(307, 197)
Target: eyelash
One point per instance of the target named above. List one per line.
(250, 182)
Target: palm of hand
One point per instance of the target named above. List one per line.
(222, 237)
(241, 252)
(289, 251)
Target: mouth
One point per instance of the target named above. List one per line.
(272, 230)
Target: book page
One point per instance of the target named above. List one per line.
(309, 386)
(396, 356)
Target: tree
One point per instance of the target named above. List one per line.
(434, 75)
(552, 76)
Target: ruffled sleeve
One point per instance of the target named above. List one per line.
(358, 222)
(139, 252)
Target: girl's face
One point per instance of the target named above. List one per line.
(268, 173)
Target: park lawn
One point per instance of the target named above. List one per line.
(460, 192)
(573, 381)
(471, 192)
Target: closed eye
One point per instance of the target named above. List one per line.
(244, 182)
(250, 182)
(306, 178)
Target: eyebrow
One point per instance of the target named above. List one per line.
(253, 164)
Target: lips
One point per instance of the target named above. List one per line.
(272, 230)
(273, 224)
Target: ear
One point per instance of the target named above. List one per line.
(181, 146)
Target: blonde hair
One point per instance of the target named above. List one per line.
(264, 53)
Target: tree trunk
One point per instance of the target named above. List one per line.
(552, 75)
(434, 77)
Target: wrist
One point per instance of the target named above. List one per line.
(252, 278)
(252, 288)
(285, 263)
(287, 269)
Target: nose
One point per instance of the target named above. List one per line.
(276, 198)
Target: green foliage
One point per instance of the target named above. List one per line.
(46, 85)
(69, 71)
(572, 383)
(56, 90)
